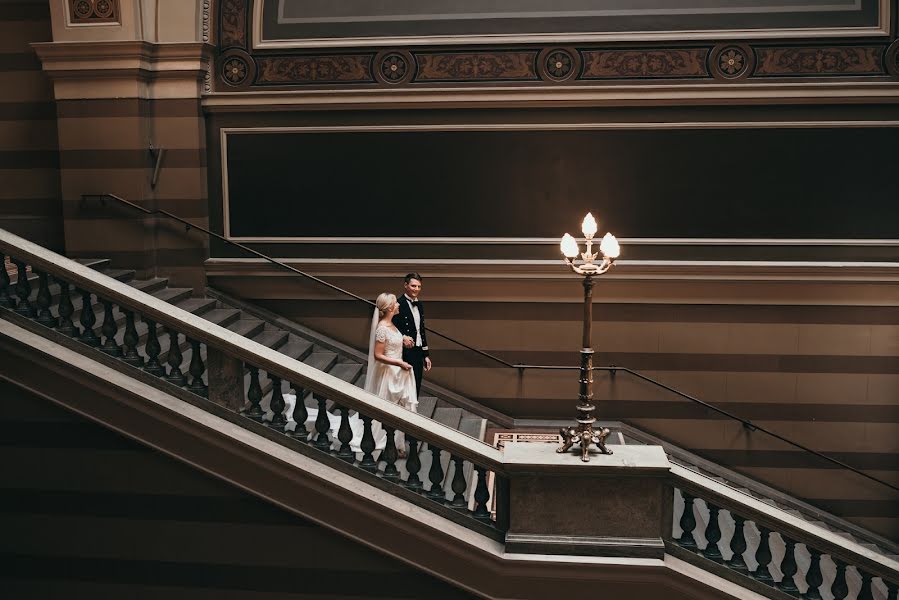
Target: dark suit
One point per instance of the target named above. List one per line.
(405, 322)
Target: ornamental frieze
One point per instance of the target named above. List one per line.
(233, 23)
(476, 67)
(314, 69)
(837, 60)
(624, 64)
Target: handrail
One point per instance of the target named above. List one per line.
(520, 367)
(253, 353)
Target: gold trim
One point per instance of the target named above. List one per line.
(881, 29)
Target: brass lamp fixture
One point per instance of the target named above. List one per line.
(588, 267)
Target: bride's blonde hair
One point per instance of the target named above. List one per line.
(384, 303)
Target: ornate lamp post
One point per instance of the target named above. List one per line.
(583, 433)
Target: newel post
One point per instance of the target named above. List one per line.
(614, 505)
(225, 374)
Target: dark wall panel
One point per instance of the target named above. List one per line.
(767, 183)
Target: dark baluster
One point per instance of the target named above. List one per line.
(276, 404)
(459, 484)
(254, 395)
(109, 329)
(738, 545)
(345, 435)
(763, 556)
(839, 588)
(413, 465)
(88, 320)
(481, 495)
(153, 349)
(865, 592)
(23, 291)
(368, 446)
(196, 369)
(44, 316)
(713, 534)
(687, 523)
(131, 340)
(788, 568)
(389, 455)
(300, 414)
(6, 300)
(174, 359)
(892, 590)
(66, 310)
(322, 425)
(435, 475)
(813, 576)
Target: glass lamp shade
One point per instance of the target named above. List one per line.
(609, 246)
(589, 226)
(569, 246)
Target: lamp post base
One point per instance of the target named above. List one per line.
(584, 435)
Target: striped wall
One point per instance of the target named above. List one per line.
(87, 513)
(817, 362)
(29, 159)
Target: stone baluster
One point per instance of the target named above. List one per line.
(130, 341)
(88, 320)
(840, 587)
(481, 495)
(6, 299)
(196, 369)
(23, 291)
(66, 309)
(713, 534)
(300, 414)
(389, 455)
(763, 557)
(345, 435)
(153, 349)
(435, 475)
(738, 545)
(687, 523)
(459, 484)
(174, 358)
(277, 404)
(254, 396)
(44, 300)
(109, 330)
(413, 466)
(813, 577)
(865, 592)
(322, 425)
(368, 446)
(789, 568)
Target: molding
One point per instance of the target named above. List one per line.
(881, 29)
(530, 543)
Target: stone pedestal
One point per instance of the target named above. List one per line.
(614, 505)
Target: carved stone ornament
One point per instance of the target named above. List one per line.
(236, 69)
(558, 64)
(731, 61)
(93, 11)
(394, 67)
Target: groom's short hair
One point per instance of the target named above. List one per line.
(410, 276)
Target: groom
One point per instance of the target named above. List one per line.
(411, 323)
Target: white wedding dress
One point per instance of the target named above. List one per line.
(390, 382)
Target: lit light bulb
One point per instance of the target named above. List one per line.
(609, 246)
(589, 226)
(569, 246)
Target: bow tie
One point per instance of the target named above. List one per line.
(414, 302)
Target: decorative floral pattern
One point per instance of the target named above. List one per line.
(461, 67)
(235, 70)
(94, 11)
(616, 64)
(394, 67)
(558, 64)
(234, 23)
(314, 69)
(732, 62)
(837, 60)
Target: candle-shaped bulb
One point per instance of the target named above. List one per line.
(569, 246)
(609, 246)
(589, 226)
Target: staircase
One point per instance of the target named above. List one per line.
(724, 524)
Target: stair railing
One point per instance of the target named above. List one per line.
(770, 551)
(168, 334)
(506, 364)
